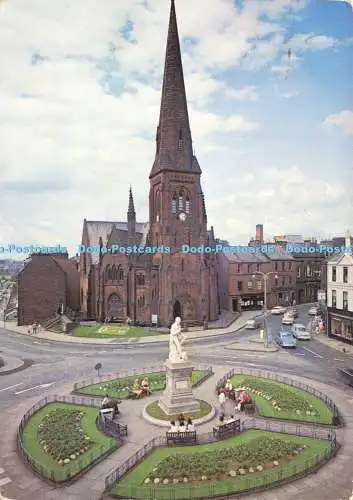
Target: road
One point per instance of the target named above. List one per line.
(57, 364)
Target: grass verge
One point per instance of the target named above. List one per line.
(45, 464)
(155, 411)
(121, 387)
(109, 332)
(131, 486)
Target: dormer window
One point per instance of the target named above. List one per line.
(180, 141)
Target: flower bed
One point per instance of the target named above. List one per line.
(62, 436)
(278, 400)
(123, 387)
(55, 441)
(252, 459)
(258, 455)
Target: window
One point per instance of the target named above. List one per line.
(345, 301)
(259, 285)
(180, 141)
(249, 268)
(141, 302)
(334, 274)
(283, 266)
(308, 270)
(334, 298)
(249, 285)
(290, 280)
(181, 201)
(108, 273)
(298, 272)
(174, 203)
(345, 275)
(140, 279)
(289, 266)
(239, 268)
(257, 267)
(121, 274)
(276, 282)
(240, 286)
(187, 205)
(276, 266)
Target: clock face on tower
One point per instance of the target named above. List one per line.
(182, 216)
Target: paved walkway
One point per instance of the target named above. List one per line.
(335, 344)
(238, 324)
(331, 482)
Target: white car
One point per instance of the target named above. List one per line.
(287, 319)
(278, 310)
(313, 311)
(300, 332)
(252, 324)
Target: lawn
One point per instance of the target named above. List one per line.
(155, 411)
(110, 331)
(274, 399)
(46, 432)
(139, 482)
(121, 387)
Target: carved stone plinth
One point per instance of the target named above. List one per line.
(178, 396)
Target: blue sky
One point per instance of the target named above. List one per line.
(272, 133)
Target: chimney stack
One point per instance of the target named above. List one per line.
(348, 245)
(259, 238)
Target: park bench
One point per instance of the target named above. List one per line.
(108, 412)
(227, 430)
(187, 437)
(250, 408)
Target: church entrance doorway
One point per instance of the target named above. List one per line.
(177, 309)
(115, 308)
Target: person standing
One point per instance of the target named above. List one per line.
(222, 402)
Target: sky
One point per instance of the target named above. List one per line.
(269, 87)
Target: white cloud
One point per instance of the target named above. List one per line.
(79, 110)
(342, 120)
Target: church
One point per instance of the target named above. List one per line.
(148, 288)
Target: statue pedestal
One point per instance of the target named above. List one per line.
(178, 396)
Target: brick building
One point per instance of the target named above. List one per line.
(165, 285)
(309, 276)
(45, 283)
(242, 285)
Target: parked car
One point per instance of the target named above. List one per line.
(252, 324)
(300, 332)
(313, 311)
(347, 375)
(285, 339)
(287, 319)
(278, 310)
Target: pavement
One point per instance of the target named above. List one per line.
(331, 482)
(237, 324)
(11, 363)
(334, 344)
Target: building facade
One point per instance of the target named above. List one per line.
(340, 297)
(242, 280)
(46, 283)
(158, 286)
(309, 276)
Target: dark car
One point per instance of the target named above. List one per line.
(285, 339)
(347, 375)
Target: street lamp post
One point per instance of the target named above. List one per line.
(265, 277)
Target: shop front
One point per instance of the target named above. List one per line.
(341, 326)
(251, 303)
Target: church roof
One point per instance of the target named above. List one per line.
(246, 257)
(103, 229)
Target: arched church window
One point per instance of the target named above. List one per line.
(120, 274)
(174, 203)
(114, 273)
(108, 273)
(158, 205)
(181, 200)
(141, 279)
(187, 204)
(180, 141)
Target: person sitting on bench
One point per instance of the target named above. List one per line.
(173, 428)
(105, 402)
(182, 426)
(228, 387)
(190, 426)
(243, 400)
(220, 421)
(231, 419)
(181, 419)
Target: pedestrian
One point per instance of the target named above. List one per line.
(222, 402)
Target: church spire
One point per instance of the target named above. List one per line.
(174, 142)
(131, 208)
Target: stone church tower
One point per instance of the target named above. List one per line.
(186, 285)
